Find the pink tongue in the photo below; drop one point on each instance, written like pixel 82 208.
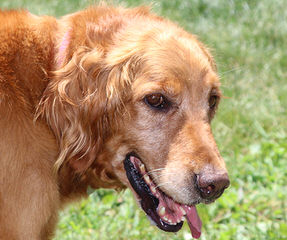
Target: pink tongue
pixel 193 221
pixel 173 212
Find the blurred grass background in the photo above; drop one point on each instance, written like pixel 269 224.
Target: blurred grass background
pixel 249 41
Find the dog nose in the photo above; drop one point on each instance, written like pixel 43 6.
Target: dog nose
pixel 211 186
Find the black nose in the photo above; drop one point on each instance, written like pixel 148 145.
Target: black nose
pixel 212 185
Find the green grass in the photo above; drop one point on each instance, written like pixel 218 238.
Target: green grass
pixel 249 40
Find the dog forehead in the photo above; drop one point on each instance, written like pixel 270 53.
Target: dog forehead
pixel 175 69
pixel 179 56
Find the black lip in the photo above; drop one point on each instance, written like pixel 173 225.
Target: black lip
pixel 148 201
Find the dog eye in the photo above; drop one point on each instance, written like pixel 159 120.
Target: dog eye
pixel 213 101
pixel 156 100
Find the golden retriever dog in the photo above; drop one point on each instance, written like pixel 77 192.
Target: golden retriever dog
pixel 107 97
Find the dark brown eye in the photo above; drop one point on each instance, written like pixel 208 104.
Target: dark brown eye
pixel 213 101
pixel 156 100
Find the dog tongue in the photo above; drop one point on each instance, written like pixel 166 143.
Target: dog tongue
pixel 193 221
pixel 174 213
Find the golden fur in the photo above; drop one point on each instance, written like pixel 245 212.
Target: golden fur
pixel 70 114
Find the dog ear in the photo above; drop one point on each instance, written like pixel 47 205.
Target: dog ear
pixel 74 105
pixel 80 103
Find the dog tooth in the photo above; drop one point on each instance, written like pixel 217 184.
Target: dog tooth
pixel 153 190
pixel 142 168
pixel 182 210
pixel 147 179
pixel 161 211
pixel 165 219
pixel 182 218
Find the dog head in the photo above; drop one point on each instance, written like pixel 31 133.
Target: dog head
pixel 166 129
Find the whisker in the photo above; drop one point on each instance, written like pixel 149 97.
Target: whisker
pixel 152 171
pixel 157 176
pixel 155 170
pixel 163 174
pixel 162 184
pixel 232 70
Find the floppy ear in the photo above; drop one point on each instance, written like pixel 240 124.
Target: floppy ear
pixel 81 102
pixel 74 105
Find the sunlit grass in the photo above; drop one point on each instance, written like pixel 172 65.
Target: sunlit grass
pixel 248 40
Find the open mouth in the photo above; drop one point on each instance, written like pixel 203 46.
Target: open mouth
pixel 167 214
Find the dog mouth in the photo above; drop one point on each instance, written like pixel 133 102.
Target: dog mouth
pixel 161 209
